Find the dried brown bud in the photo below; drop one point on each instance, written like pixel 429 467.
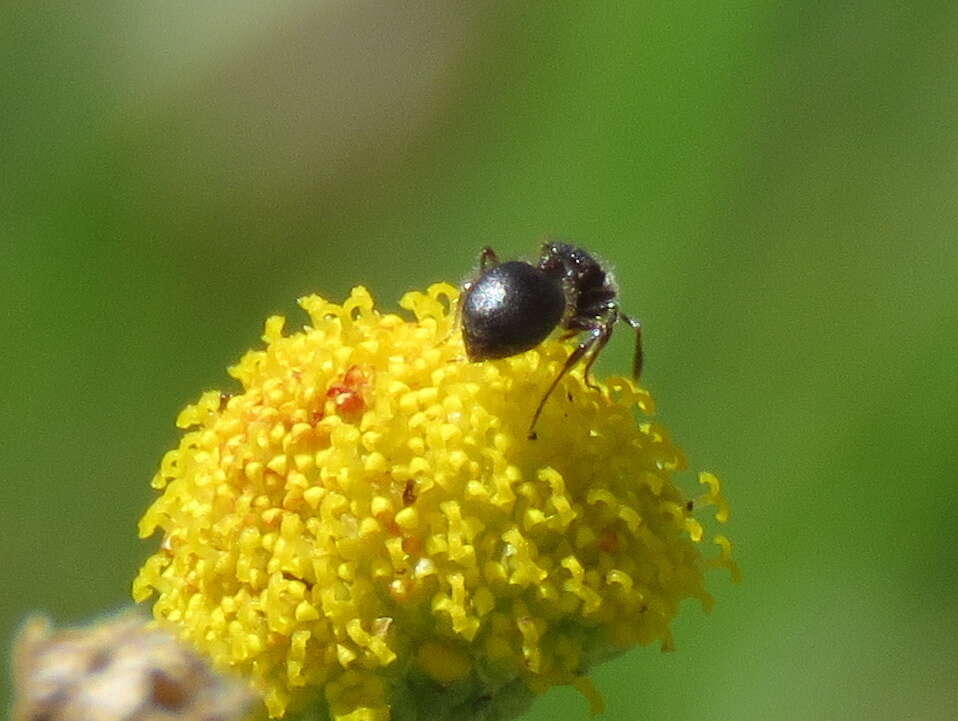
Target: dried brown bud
pixel 118 670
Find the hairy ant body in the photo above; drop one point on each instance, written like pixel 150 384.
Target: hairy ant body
pixel 513 306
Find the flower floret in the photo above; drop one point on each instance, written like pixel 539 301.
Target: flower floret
pixel 365 525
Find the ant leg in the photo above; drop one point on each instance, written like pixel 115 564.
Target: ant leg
pixel 456 315
pixel 606 333
pixel 487 259
pixel 594 337
pixel 637 358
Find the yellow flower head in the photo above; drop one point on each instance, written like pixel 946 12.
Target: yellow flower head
pixel 367 530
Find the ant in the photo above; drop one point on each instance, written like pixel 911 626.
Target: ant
pixel 511 307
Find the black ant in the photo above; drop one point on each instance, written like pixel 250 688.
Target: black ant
pixel 511 307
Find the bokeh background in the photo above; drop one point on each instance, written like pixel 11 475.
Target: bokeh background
pixel 775 184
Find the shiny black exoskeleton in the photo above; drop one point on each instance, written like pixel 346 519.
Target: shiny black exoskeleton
pixel 513 306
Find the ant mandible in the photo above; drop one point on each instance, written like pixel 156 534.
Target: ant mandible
pixel 511 307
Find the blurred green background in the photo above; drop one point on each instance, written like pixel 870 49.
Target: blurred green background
pixel 775 184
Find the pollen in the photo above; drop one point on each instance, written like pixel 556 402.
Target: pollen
pixel 364 526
